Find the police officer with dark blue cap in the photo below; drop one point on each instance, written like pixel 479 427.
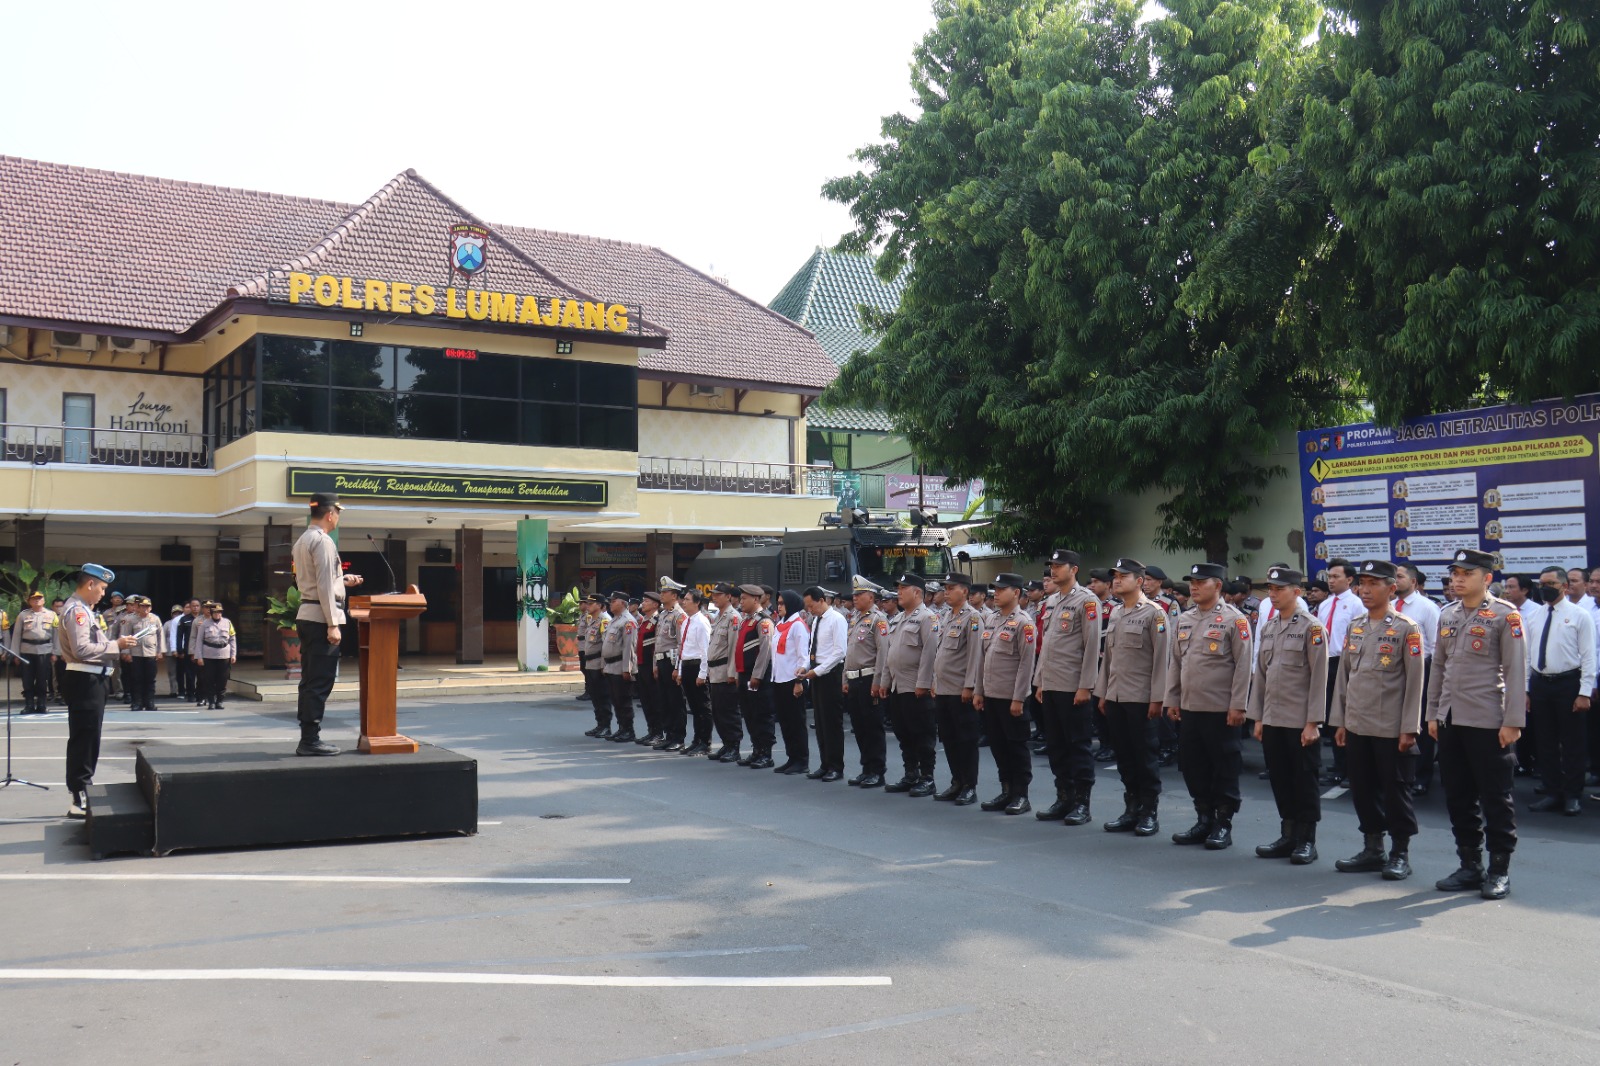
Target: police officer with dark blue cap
pixel 89 653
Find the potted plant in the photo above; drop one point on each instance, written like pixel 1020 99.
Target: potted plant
pixel 281 613
pixel 565 617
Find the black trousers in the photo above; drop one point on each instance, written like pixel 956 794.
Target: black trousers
pixel 912 719
pixel 1101 729
pixel 1209 759
pixel 214 679
pixel 139 674
pixel 1008 743
pixel 1476 773
pixel 619 691
pixel 725 713
pixel 1563 734
pixel 35 686
pixel 1135 738
pixel 958 732
pixel 1292 772
pixel 61 679
pixel 866 721
pixel 696 699
pixel 1068 741
pixel 756 709
pixel 791 714
pixel 1339 754
pixel 1426 747
pixel 1380 785
pixel 189 670
pixel 594 682
pixel 648 689
pixel 86 713
pixel 319 668
pixel 674 712
pixel 827 706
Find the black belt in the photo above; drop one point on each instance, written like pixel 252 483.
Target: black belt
pixel 224 644
pixel 613 658
pixel 1565 675
pixel 25 640
pixel 718 662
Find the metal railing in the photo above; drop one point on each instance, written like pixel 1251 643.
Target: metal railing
pixel 730 475
pixel 102 447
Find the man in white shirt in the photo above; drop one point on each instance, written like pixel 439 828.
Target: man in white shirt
pixel 826 674
pixel 1578 589
pixel 1410 601
pixel 172 644
pixel 1335 613
pixel 1561 677
pixel 691 667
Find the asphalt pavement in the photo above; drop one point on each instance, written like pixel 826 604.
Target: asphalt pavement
pixel 625 906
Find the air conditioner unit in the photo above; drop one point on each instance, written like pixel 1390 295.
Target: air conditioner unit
pixel 704 390
pixel 82 342
pixel 129 344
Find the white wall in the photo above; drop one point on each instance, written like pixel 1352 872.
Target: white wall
pixel 33 396
pixel 691 435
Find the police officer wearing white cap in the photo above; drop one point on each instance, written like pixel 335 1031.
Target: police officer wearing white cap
pixel 89 655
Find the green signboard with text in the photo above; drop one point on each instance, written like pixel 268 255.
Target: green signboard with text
pixel 439 488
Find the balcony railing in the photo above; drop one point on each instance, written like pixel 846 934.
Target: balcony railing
pixel 728 475
pixel 102 447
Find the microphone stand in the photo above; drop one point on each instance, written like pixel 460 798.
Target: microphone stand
pixel 394 584
pixel 11 778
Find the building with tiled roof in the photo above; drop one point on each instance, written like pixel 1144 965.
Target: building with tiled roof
pixel 182 364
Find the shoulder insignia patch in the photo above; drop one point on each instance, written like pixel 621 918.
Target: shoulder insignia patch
pixel 766 625
pixel 1091 610
pixel 976 625
pixel 1514 623
pixel 1316 636
pixel 1161 627
pixel 883 628
pixel 1027 632
pixel 1414 644
pixel 1244 629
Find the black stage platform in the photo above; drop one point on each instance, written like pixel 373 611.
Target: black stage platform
pixel 234 795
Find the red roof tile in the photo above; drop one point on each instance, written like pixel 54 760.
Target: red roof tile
pixel 97 247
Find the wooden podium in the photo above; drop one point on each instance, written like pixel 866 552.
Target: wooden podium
pixel 379 619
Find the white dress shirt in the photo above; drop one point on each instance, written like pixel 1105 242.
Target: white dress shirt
pixel 1335 614
pixel 1572 642
pixel 172 631
pixel 1425 613
pixel 832 630
pixel 696 637
pixel 796 653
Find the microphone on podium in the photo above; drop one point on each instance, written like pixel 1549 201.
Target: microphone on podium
pixel 394 584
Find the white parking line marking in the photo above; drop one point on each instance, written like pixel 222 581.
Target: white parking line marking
pixel 344 879
pixel 423 977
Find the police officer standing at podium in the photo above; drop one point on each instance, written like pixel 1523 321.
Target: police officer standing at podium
pixel 89 653
pixel 322 583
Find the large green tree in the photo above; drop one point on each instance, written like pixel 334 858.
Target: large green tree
pixel 1068 173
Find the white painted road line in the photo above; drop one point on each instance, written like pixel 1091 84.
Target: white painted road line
pixel 324 879
pixel 423 977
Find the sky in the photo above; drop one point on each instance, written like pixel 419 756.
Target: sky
pixel 705 128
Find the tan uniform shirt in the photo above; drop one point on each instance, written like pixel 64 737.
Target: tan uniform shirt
pixel 861 645
pixel 669 636
pixel 594 639
pixel 84 640
pixel 757 645
pixel 214 638
pixel 1480 667
pixel 1004 671
pixel 1134 666
pixel 959 646
pixel 905 660
pixel 320 578
pixel 719 650
pixel 619 649
pixel 34 632
pixel 582 635
pixel 1378 692
pixel 1291 680
pixel 151 644
pixel 1069 642
pixel 1210 664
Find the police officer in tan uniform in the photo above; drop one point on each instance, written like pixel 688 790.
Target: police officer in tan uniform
pixel 323 586
pixel 868 629
pixel 720 676
pixel 32 637
pixel 1068 662
pixel 674 711
pixel 1002 680
pixel 1208 685
pixel 619 662
pixel 216 649
pixel 1376 715
pixel 960 643
pixel 89 653
pixel 1287 702
pixel 139 662
pixel 905 676
pixel 591 634
pixel 1477 702
pixel 1131 686
pixel 752 658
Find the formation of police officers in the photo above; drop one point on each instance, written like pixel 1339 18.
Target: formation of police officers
pixel 1115 660
pixel 197 643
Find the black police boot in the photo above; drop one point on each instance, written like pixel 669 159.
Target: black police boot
pixel 1196 833
pixel 949 794
pixel 1078 813
pixel 1124 822
pixel 1305 844
pixel 311 742
pixel 907 782
pixel 1280 848
pixel 922 789
pixel 1019 805
pixel 761 760
pixel 1468 877
pixel 1497 882
pixel 624 737
pixel 729 755
pixel 595 732
pixel 1000 802
pixel 967 798
pixel 1147 825
pixel 1369 860
pixel 1221 835
pixel 1057 810
pixel 1398 865
pixel 871 781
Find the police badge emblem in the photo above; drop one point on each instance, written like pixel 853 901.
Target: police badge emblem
pixel 469 249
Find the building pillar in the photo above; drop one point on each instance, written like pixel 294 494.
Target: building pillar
pixel 30 542
pixel 469 571
pixel 658 558
pixel 225 575
pixel 277 559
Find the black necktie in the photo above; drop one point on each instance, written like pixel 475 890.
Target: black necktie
pixel 1544 638
pixel 816 627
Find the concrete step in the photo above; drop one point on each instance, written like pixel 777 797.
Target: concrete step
pixel 432 685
